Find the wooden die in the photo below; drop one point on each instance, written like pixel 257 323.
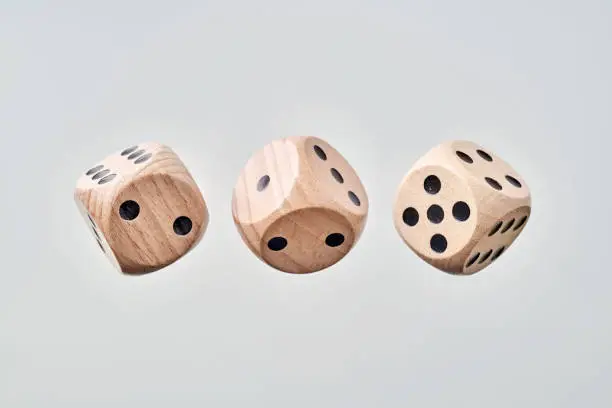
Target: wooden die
pixel 460 207
pixel 143 207
pixel 298 205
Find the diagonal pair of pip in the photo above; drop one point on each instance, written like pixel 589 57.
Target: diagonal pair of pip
pixel 300 206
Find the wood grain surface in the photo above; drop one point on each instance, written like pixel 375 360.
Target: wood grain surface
pixel 299 205
pixel 460 207
pixel 143 207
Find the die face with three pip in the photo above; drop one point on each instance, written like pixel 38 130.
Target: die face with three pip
pixel 143 207
pixel 299 205
pixel 460 207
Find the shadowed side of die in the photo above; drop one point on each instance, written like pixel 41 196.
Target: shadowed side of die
pixel 155 220
pixel 307 240
pixel 80 198
pixel 496 240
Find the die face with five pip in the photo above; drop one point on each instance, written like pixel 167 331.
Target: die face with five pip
pixel 460 207
pixel 298 205
pixel 143 207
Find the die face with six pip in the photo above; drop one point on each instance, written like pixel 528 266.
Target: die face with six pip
pixel 460 207
pixel 143 207
pixel 299 205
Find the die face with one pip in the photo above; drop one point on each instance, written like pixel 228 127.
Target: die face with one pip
pixel 460 207
pixel 143 207
pixel 298 205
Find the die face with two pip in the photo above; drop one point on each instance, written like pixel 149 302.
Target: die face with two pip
pixel 299 205
pixel 143 207
pixel 460 207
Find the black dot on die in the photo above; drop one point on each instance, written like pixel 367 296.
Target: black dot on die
pixel 461 211
pixel 497 253
pixel 107 179
pixel 473 259
pixel 319 152
pixel 432 184
pixel 438 243
pixel 94 170
pixel 334 240
pixel 410 216
pixel 263 183
pixel 277 243
pixel 336 174
pixel 100 174
pixel 353 197
pixel 485 256
pixel 129 150
pixel 143 158
pixel 496 228
pixel 513 181
pixel 493 183
pixel 484 155
pixel 135 154
pixel 435 214
pixel 182 225
pixel 520 223
pixel 129 210
pixel 508 226
pixel 464 157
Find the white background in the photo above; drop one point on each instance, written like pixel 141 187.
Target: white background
pixel 382 82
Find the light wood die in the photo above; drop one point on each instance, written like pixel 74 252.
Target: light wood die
pixel 299 205
pixel 143 207
pixel 460 207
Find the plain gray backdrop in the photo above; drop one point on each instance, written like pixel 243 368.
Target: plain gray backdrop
pixel 382 82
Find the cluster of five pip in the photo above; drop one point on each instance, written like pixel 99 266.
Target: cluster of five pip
pixel 300 206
